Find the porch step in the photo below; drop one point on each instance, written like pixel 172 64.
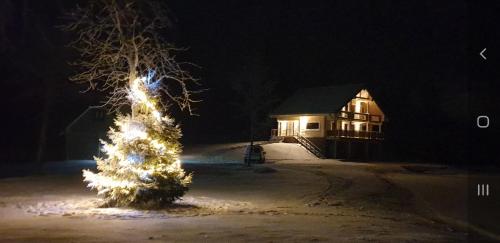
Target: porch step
pixel 310 146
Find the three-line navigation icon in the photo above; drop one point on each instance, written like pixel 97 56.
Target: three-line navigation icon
pixel 483 190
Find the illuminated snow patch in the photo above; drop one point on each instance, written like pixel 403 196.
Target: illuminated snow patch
pixel 82 208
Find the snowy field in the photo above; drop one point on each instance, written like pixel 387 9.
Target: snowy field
pixel 301 199
pixel 232 153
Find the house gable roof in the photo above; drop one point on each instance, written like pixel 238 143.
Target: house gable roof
pixel 87 122
pixel 320 100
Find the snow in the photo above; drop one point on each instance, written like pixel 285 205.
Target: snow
pixel 229 153
pixel 306 199
pixel 91 207
pixel 287 151
pixel 232 153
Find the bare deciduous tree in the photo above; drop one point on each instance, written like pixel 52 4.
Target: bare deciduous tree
pixel 121 40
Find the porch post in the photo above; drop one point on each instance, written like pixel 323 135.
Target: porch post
pixel 278 133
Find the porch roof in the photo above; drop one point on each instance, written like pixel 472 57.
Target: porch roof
pixel 319 100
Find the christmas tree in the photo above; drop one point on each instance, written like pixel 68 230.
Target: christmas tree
pixel 141 166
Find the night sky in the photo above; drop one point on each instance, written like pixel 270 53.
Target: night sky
pixel 411 54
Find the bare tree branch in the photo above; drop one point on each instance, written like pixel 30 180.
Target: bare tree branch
pixel 121 40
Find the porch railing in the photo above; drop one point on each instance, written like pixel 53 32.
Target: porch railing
pixel 359 116
pixel 306 143
pixel 284 133
pixel 338 133
pixel 355 134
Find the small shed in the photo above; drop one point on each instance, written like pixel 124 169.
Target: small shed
pixel 83 133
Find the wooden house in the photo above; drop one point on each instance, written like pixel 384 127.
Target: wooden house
pixel 336 121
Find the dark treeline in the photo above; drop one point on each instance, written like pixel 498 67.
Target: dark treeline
pixel 37 97
pixel 412 55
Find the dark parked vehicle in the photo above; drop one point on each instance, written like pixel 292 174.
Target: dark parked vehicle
pixel 255 155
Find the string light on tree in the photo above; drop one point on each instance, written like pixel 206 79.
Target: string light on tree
pixel 123 53
pixel 141 166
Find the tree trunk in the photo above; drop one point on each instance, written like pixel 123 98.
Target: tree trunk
pixel 42 137
pixel 132 77
pixel 251 137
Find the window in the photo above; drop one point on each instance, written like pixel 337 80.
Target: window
pixel 312 126
pixel 363 107
pixel 375 128
pixel 363 127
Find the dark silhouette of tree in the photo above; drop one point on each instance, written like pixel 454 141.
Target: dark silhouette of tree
pixel 29 42
pixel 254 96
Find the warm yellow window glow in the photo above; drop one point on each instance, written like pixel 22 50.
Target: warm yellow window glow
pixel 303 122
pixel 357 108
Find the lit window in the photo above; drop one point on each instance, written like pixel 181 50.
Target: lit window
pixel 312 126
pixel 364 107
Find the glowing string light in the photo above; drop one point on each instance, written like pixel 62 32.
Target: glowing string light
pixel 139 153
pixel 134 130
pixel 138 94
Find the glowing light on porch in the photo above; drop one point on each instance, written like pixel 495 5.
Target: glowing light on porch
pixel 356 126
pixel 303 121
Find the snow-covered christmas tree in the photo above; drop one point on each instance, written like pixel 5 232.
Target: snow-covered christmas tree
pixel 141 166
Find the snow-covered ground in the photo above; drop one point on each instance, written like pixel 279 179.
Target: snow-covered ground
pixel 302 199
pixel 233 153
pixel 287 151
pixel 229 153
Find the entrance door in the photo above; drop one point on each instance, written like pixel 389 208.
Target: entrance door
pixel 282 128
pixel 289 128
pixel 292 128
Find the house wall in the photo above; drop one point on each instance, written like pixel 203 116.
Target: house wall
pixel 302 125
pixel 357 118
pixel 330 123
pixel 363 103
pixel 374 109
pixel 312 133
